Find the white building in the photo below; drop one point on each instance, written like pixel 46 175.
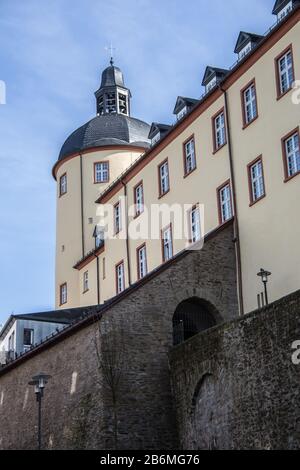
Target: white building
pixel 22 332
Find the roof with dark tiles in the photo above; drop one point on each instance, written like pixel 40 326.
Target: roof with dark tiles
pixel 112 129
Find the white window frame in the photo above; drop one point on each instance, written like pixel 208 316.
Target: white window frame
pixel 285 11
pixel 211 84
pixel 189 156
pixel 139 199
pixel 164 178
pixel 292 154
pixel 85 281
pixel 63 185
pixel 257 180
pixel 101 172
pixel 167 243
pixel 195 225
pixel 63 294
pixel 31 336
pixel 285 72
pixel 181 114
pixel 155 138
pixel 117 218
pixel 250 103
pixel 220 130
pixel 142 262
pixel 120 277
pixel 225 203
pixel 245 50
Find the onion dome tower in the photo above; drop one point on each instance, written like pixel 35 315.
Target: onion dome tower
pixel 113 124
pixel 90 159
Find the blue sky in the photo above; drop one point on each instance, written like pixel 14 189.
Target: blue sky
pixel 51 57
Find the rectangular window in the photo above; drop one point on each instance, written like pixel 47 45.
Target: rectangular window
pixel 195 225
pixel 117 217
pixel 284 72
pixel 285 11
pixel 28 337
pixel 63 294
pixel 219 130
pixel 142 261
pixel 167 243
pixel 11 342
pixel 249 103
pixel 139 199
pixel 164 181
pixel 224 200
pixel 256 180
pixel 101 172
pixel 63 185
pixel 189 156
pixel 181 113
pixel 291 154
pixel 120 279
pixel 85 281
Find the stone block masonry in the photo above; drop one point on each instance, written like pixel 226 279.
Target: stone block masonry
pixel 79 409
pixel 236 387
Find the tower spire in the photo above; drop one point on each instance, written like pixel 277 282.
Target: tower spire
pixel 113 97
pixel 111 50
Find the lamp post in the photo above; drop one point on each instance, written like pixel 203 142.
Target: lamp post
pixel 39 382
pixel 264 275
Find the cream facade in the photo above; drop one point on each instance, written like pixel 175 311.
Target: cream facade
pixel 267 230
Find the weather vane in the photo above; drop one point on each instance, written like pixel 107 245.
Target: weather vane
pixel 111 50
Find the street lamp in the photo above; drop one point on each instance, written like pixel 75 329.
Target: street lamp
pixel 39 382
pixel 264 275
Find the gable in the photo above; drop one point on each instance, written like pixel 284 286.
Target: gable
pixel 244 38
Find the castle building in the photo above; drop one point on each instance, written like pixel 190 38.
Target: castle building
pixel 234 152
pixel 164 234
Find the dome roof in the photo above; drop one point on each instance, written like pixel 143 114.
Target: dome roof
pixel 112 76
pixel 114 129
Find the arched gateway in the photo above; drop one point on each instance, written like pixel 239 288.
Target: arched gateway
pixel 191 317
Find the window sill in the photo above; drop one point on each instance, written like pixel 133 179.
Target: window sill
pixel 62 194
pixel 221 223
pixel 137 215
pixel 279 96
pixel 190 172
pixel 164 194
pixel 85 291
pixel 289 178
pixel 101 182
pixel 249 123
pixel 257 200
pixel 216 150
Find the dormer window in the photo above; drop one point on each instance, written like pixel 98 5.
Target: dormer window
pixel 246 43
pixel 181 113
pixel 155 139
pixel 212 77
pixel 211 84
pixel 283 8
pixel 245 50
pixel 157 132
pixel 183 106
pixel 285 11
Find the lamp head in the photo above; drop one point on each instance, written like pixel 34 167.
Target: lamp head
pixel 264 275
